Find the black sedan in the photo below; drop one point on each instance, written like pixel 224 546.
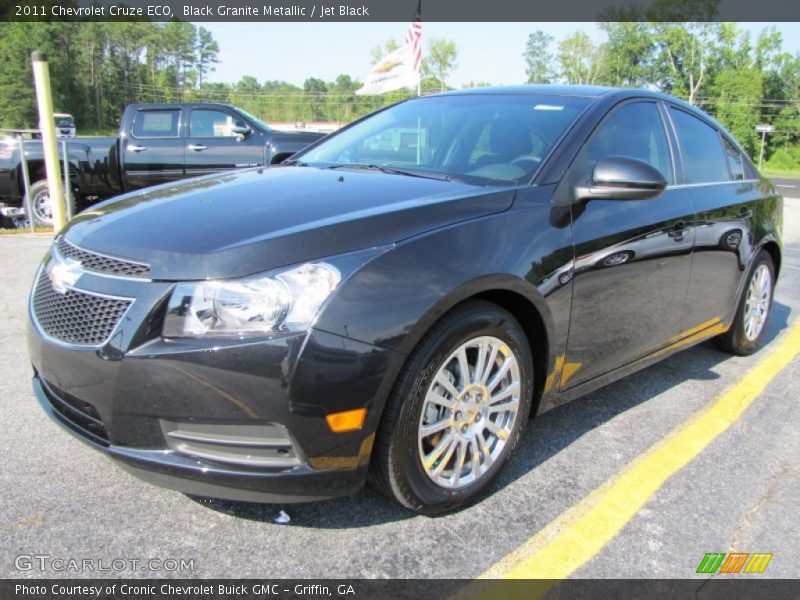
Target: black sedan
pixel 398 299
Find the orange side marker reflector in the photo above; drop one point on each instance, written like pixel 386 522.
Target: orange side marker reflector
pixel 348 420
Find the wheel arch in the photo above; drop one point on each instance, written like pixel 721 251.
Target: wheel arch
pixel 774 250
pixel 520 299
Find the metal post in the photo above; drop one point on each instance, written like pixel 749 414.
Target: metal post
pixel 47 125
pixel 26 180
pixel 761 154
pixel 67 182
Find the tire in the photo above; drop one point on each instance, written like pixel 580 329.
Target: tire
pixel 618 258
pixel 397 463
pixel 41 207
pixel 746 336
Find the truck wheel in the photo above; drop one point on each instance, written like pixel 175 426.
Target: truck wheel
pixel 41 206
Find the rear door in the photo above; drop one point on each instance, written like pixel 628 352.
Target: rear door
pixel 724 192
pixel 212 146
pixel 632 257
pixel 154 150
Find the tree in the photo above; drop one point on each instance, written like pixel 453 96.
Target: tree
pixel 580 59
pixel 539 62
pixel 629 54
pixel 378 52
pixel 207 54
pixel 441 59
pixel 684 56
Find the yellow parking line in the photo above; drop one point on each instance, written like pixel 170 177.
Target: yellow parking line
pixel 576 536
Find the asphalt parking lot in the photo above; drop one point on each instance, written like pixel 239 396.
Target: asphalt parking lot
pixel 62 499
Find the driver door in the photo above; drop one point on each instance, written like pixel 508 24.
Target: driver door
pixel 632 257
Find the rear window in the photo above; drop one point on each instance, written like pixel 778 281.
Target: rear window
pixel 703 159
pixel 156 123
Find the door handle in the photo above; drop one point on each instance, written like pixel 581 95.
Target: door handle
pixel 196 147
pixel 678 230
pixel 135 148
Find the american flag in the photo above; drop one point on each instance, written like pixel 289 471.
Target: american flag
pixel 414 37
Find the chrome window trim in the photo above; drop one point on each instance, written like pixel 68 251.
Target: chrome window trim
pixel 712 183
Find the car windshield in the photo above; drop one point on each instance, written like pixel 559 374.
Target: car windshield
pixel 255 120
pixel 478 138
pixel 64 121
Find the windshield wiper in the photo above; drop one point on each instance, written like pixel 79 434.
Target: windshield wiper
pixel 293 162
pixel 394 171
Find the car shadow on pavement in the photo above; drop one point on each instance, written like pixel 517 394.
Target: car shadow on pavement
pixel 548 435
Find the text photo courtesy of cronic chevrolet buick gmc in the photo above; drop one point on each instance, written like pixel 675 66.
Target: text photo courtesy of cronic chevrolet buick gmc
pixel 395 302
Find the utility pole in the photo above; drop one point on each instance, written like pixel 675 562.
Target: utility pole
pixel 47 126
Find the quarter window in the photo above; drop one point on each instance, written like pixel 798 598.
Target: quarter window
pixel 156 123
pixel 734 159
pixel 636 131
pixel 703 158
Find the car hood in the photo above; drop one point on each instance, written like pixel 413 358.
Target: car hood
pixel 244 222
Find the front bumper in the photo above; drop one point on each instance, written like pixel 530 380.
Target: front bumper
pixel 120 397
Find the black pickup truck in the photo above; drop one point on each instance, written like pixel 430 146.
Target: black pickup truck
pixel 157 143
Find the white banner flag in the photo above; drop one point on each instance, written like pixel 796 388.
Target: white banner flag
pixel 393 72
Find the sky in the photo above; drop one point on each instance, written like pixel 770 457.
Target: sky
pixel 293 52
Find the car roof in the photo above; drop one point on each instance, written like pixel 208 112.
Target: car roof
pixel 583 91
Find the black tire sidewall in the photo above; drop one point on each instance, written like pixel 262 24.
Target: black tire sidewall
pixel 497 323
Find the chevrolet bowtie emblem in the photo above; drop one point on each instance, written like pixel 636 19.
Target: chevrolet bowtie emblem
pixel 64 275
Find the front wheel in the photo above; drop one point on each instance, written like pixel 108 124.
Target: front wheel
pixel 749 327
pixel 457 411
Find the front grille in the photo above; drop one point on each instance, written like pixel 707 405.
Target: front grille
pixel 76 317
pixel 79 414
pixel 102 264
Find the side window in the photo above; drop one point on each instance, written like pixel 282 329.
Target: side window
pixel 734 159
pixel 703 158
pixel 156 123
pixel 636 131
pixel 211 123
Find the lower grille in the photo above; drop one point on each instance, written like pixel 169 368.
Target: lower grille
pixel 81 415
pixel 245 444
pixel 76 317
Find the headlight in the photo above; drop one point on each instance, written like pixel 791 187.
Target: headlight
pixel 282 301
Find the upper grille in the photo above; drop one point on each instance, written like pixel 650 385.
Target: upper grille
pixel 102 264
pixel 76 317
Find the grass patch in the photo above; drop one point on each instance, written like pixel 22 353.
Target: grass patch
pixel 787 173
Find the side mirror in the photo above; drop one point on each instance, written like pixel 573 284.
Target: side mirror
pixel 241 130
pixel 622 178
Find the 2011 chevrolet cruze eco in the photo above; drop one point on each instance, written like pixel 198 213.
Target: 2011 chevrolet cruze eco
pixel 401 296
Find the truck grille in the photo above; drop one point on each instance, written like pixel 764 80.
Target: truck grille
pixel 99 263
pixel 76 317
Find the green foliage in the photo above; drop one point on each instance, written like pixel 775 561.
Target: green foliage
pixel 539 60
pixel 441 60
pixel 784 160
pixel 580 59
